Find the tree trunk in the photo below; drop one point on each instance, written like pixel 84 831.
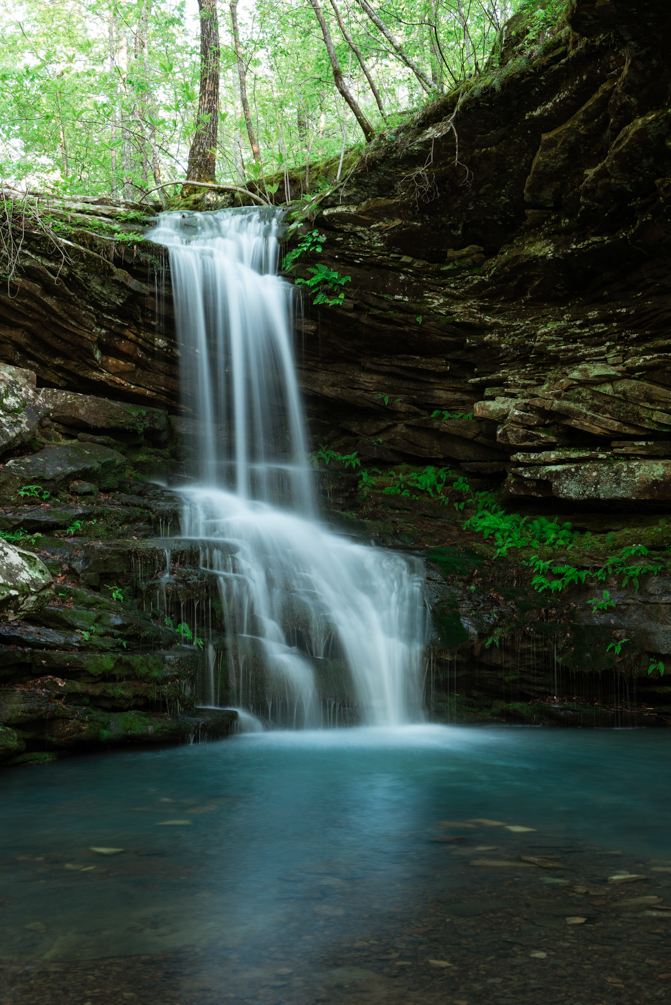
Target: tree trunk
pixel 362 63
pixel 426 83
pixel 366 127
pixel 242 73
pixel 114 97
pixel 139 92
pixel 436 60
pixel 203 152
pixel 127 188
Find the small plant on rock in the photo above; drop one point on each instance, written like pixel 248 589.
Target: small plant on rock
pixel 311 242
pixel 19 536
pixel 325 282
pixel 326 455
pixel 617 646
pixel 601 605
pixel 33 492
pixel 441 414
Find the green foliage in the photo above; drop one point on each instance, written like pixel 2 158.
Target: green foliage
pixel 656 665
pixel 102 99
pixel 510 530
pixel 33 492
pixel 169 623
pixel 441 414
pixel 186 633
pixel 431 480
pixel 74 527
pixel 19 536
pixel 617 646
pixel 367 478
pixel 601 605
pixel 567 575
pixel 311 242
pixel 325 282
pixel 617 566
pixel 326 455
pixel 540 17
pixel 117 593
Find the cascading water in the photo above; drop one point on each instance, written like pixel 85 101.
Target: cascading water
pixel 316 625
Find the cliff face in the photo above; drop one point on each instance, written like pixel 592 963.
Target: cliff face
pixel 505 321
pixel 526 267
pixel 89 317
pixel 510 245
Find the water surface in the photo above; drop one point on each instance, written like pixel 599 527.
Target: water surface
pixel 235 842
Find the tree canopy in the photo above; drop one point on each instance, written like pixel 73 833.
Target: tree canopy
pixel 105 96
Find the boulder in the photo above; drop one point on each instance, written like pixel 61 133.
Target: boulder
pixel 496 410
pixel 84 411
pixel 59 464
pixel 25 582
pixel 649 479
pixel 20 406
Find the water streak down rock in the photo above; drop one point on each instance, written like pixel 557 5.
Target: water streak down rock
pixel 297 598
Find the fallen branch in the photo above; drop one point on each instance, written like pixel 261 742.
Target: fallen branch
pixel 204 184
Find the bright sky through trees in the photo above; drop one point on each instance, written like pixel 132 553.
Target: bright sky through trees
pixel 101 97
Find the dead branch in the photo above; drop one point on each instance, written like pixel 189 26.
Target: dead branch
pixel 204 184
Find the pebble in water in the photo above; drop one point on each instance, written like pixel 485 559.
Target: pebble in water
pixel 625 877
pixel 106 851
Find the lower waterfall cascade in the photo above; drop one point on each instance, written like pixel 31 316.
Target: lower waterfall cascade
pixel 321 631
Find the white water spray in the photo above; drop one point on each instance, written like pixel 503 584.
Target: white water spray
pixel 315 623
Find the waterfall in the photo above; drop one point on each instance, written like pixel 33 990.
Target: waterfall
pixel 320 630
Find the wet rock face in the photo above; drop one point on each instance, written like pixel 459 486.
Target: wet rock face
pixel 99 643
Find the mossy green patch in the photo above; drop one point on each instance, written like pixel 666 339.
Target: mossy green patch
pixel 454 561
pixel 135 723
pixel 450 629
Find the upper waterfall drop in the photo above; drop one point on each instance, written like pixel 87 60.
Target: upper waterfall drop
pixel 233 316
pixel 318 628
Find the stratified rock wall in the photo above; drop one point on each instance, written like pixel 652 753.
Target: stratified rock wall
pixel 506 317
pixel 510 246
